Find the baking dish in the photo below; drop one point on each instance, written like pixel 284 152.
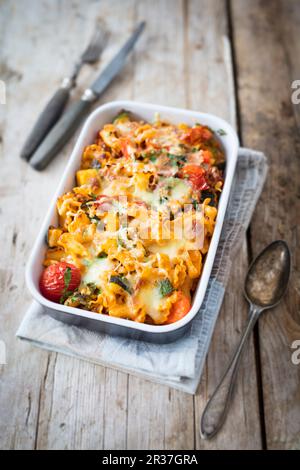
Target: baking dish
pixel 109 324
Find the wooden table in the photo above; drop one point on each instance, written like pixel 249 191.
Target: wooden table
pixel 233 58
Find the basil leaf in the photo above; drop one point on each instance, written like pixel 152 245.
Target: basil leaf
pixel 94 288
pixel 67 277
pixel 64 296
pixel 165 287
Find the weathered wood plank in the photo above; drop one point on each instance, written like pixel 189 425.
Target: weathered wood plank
pixel 264 53
pixel 200 48
pixel 158 417
pixel 21 377
pixel 52 401
pixel 290 13
pixel 155 413
pixel 72 406
pixel 210 88
pixel 99 419
pixel 27 390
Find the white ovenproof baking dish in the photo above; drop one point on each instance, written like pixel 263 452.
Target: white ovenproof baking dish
pixel 105 323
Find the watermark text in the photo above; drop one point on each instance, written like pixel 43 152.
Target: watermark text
pixel 296 354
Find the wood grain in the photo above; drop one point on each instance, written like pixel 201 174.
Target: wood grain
pixel 100 418
pixel 210 88
pixel 269 123
pixel 155 413
pixel 183 59
pixel 30 399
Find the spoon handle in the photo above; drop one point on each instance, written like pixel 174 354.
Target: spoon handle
pixel 217 407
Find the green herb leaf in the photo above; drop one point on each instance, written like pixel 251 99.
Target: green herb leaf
pixel 93 218
pixel 176 160
pixel 121 242
pixel 153 156
pixel 172 156
pixel 195 204
pixel 165 287
pixel 75 297
pixel 163 199
pixel 221 132
pixel 67 277
pixel 64 296
pixel 94 288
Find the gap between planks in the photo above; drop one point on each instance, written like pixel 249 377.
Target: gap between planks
pixel 248 233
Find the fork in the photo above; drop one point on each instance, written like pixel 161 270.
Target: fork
pixel 55 106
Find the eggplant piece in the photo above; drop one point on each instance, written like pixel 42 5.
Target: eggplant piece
pixel 122 282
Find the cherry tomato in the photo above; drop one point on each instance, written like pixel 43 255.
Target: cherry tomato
pixel 196 134
pixel 196 176
pixel 59 279
pixel 179 309
pixel 206 156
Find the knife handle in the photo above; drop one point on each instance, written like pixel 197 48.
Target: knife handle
pixel 59 134
pixel 48 117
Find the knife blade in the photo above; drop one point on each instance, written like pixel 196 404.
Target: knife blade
pixel 68 123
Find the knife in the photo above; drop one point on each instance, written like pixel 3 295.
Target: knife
pixel 68 123
pixel 54 108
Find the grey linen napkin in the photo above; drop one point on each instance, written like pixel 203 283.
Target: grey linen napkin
pixel 178 364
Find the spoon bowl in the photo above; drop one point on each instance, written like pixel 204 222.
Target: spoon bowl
pixel 268 276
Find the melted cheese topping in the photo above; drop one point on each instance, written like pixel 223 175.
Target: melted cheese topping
pixel 147 196
pixel 170 248
pixel 180 190
pixel 95 273
pixel 142 265
pixel 150 297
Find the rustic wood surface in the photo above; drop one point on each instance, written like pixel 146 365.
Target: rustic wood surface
pixel 233 58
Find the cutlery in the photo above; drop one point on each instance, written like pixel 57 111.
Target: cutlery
pixel 55 106
pixel 70 120
pixel 265 284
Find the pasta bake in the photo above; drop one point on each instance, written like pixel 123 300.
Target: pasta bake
pixel 134 230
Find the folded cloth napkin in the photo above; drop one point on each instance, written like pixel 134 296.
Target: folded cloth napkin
pixel 178 364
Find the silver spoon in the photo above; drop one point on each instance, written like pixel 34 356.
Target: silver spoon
pixel 265 284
